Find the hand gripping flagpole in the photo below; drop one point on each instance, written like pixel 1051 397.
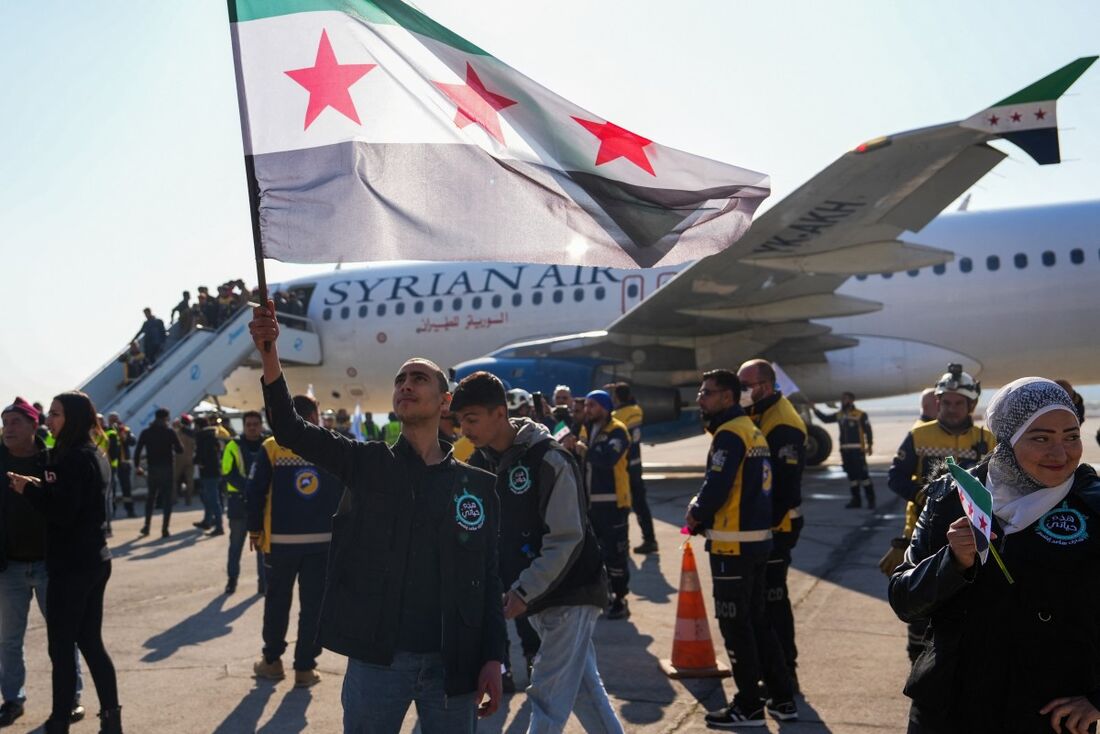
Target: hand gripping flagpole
pixel 249 164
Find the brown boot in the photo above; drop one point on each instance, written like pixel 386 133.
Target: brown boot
pixel 306 678
pixel 270 670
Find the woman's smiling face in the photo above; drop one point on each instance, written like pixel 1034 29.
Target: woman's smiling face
pixel 1050 449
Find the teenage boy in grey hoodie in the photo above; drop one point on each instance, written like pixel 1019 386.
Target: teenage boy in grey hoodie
pixel 550 560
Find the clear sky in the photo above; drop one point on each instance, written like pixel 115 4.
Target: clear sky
pixel 121 178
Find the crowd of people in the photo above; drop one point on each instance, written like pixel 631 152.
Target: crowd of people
pixel 208 311
pixel 414 542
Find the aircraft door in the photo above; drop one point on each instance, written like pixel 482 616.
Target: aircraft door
pixel 633 291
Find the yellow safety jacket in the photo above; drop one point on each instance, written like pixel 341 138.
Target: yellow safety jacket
pixel 632 417
pixel 606 464
pixel 788 457
pixel 742 524
pixel 109 434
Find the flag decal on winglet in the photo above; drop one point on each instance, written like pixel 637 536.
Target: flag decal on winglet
pixel 1029 118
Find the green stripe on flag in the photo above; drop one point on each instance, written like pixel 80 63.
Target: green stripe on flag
pixel 390 12
pixel 1052 86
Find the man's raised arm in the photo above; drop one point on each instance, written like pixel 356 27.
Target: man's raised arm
pixel 327 449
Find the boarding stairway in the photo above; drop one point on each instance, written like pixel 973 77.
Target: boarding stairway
pixel 194 366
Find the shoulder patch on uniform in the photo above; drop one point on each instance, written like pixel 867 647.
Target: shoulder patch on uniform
pixel 718 459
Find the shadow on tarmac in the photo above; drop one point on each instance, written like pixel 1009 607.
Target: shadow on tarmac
pixel 647 582
pixel 163 546
pixel 288 718
pixel 210 622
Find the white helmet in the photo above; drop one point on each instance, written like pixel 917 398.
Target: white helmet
pixel 518 397
pixel 957 381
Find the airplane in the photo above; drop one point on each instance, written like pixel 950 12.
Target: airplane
pixel 855 281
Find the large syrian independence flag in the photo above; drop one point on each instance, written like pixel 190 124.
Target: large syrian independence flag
pixel 374 133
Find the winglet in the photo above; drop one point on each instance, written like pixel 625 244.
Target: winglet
pixel 1028 118
pixel 1050 87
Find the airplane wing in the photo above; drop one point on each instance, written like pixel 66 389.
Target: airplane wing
pixel 760 296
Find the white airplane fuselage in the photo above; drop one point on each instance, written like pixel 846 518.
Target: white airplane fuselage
pixel 1021 297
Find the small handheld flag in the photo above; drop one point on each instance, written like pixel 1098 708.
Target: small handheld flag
pixel 977 503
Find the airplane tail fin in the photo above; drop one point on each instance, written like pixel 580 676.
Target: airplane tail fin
pixel 1028 118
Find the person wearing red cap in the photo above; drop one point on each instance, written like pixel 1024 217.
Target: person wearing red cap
pixel 22 557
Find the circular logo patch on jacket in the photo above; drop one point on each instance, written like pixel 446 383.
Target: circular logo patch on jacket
pixel 1063 526
pixel 307 482
pixel 519 479
pixel 469 511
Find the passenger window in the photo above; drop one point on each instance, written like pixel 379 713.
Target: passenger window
pixel 558 296
pixel 345 312
pixel 437 305
pixel 887 276
pixel 939 269
pixel 578 295
pixel 1048 258
pixel 631 292
pixel 399 308
pixel 536 298
pixel 418 307
pixel 363 311
pixel 1020 260
pixel 497 301
pixel 912 273
pixel 326 314
pixel 476 303
pixel 861 276
pixel 381 310
pixel 517 299
pixel 966 265
pixel 601 293
pixel 456 304
pixel 1076 256
pixel 993 263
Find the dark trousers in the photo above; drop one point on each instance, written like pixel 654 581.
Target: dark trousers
pixel 160 486
pixel 529 641
pixel 854 462
pixel 777 600
pixel 640 505
pixel 753 650
pixel 612 531
pixel 74 616
pixel 282 567
pixel 238 533
pixel 124 483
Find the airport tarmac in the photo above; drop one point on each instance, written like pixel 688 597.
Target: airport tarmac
pixel 184 650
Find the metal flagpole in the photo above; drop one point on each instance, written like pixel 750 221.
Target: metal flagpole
pixel 249 163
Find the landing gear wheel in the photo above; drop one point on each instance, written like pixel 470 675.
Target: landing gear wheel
pixel 819 444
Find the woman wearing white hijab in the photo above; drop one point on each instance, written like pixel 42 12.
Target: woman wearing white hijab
pixel 1025 656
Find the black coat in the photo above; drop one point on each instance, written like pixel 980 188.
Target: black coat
pixel 1000 652
pixel 371 536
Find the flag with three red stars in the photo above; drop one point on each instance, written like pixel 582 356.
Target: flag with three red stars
pixel 371 132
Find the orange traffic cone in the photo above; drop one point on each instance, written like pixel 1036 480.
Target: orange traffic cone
pixel 692 649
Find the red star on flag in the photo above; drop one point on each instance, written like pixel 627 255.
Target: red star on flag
pixel 993 120
pixel 1015 116
pixel 1040 114
pixel 328 82
pixel 615 142
pixel 982 524
pixel 476 104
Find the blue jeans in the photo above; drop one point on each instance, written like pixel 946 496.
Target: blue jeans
pixel 18 583
pixel 211 501
pixel 565 678
pixel 376 697
pixel 238 533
